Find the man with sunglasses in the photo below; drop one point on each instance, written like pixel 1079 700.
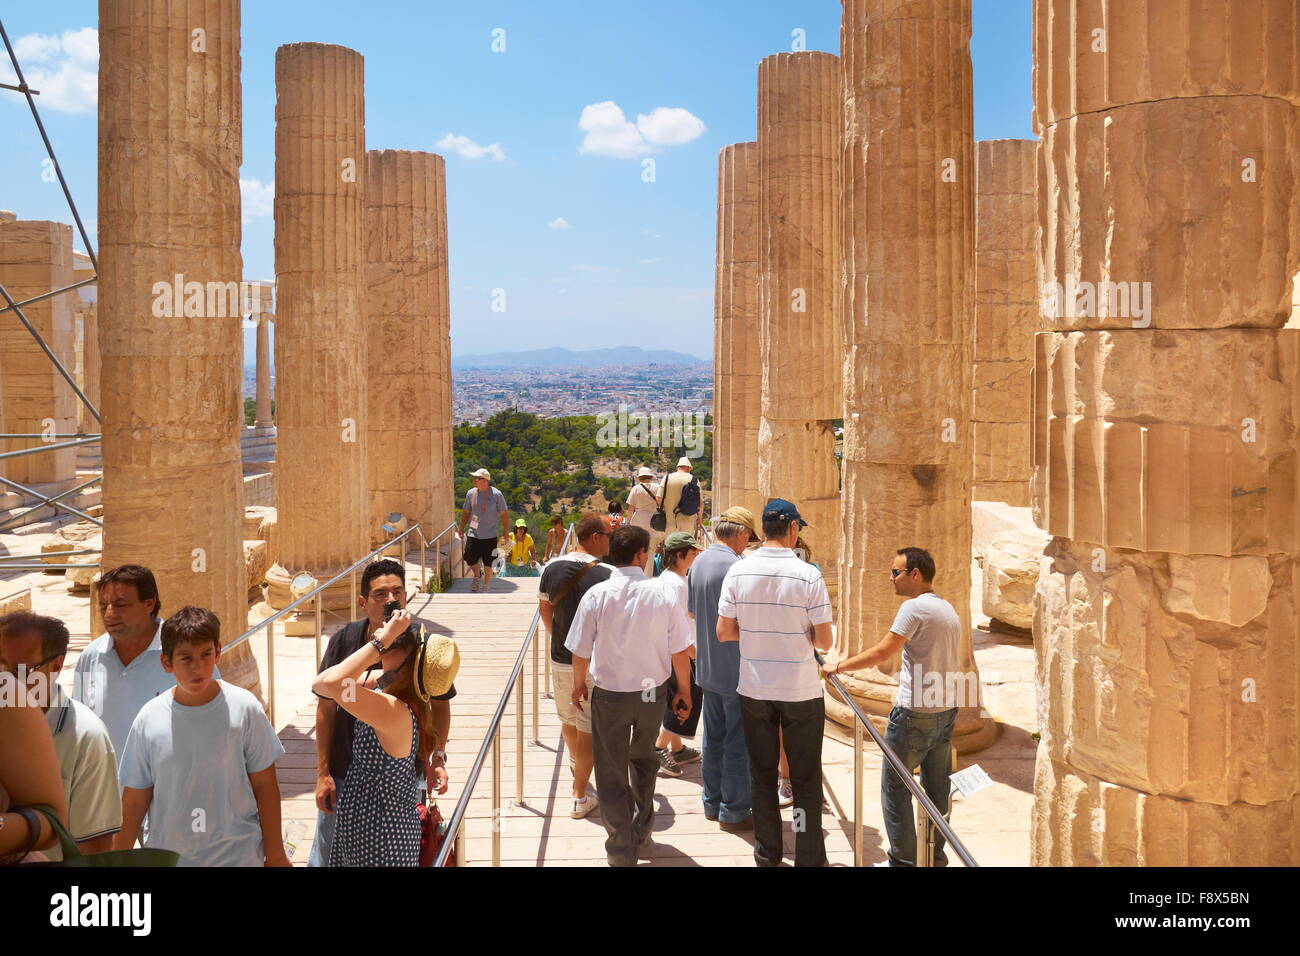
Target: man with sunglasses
pixel 927 629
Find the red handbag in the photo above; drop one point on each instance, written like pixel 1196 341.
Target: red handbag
pixel 433 830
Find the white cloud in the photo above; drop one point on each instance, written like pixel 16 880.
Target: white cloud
pixel 669 126
pixel 258 198
pixel 611 133
pixel 65 68
pixel 466 148
pixel 586 267
pixel 560 223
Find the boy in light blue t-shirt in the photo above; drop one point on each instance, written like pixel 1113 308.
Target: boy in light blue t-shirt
pixel 200 760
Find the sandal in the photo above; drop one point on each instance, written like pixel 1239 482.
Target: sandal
pixel 473 588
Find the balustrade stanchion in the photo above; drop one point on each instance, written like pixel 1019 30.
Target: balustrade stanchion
pixel 496 798
pixel 424 577
pixel 320 628
pixel 353 577
pixel 922 840
pixel 537 667
pixel 270 672
pixel 461 858
pixel 519 739
pixel 857 793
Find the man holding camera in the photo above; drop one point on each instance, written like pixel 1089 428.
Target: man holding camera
pixel 382 593
pixel 631 632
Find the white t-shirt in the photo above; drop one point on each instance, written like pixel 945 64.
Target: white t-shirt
pixel 629 627
pixel 675 585
pixel 931 679
pixel 197 760
pixel 776 598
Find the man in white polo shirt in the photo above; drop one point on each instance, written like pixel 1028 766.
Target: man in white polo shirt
pixel 777 606
pixel 630 631
pixel 121 671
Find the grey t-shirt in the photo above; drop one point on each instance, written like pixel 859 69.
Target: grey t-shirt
pixel 197 760
pixel 717 665
pixel 485 512
pixel 931 679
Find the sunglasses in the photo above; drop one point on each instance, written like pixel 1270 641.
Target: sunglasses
pixel 895 572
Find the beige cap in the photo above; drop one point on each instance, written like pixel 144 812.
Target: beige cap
pixel 741 516
pixel 481 473
pixel 684 462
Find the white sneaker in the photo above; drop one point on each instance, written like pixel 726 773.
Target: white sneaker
pixel 583 807
pixel 784 792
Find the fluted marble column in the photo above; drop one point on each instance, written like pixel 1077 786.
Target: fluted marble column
pixel 737 371
pixel 801 338
pixel 1006 318
pixel 909 269
pixel 321 486
pixel 407 311
pixel 170 148
pixel 1165 433
pixel 263 417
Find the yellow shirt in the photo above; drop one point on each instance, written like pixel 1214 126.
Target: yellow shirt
pixel 519 550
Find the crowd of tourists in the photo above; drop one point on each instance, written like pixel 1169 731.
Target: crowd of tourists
pixel 723 639
pixel 657 635
pixel 153 749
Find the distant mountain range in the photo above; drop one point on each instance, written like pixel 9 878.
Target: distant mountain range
pixel 567 358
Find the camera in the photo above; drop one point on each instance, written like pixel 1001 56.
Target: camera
pixel 391 608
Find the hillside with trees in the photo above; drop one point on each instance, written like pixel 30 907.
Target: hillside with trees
pixel 549 466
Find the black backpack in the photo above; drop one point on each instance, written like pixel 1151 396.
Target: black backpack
pixel 690 500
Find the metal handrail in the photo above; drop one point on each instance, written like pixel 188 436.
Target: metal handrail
pixel 932 816
pixel 492 742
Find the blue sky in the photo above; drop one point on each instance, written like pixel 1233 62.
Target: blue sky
pixel 590 256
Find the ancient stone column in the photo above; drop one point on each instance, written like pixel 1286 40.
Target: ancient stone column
pixel 408 325
pixel 1165 434
pixel 737 373
pixel 909 269
pixel 321 486
pixel 86 308
pixel 170 147
pixel 1006 318
pixel 801 339
pixel 263 417
pixel 36 258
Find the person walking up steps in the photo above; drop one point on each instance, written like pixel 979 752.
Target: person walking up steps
pixel 643 501
pixel 631 633
pixel 681 493
pixel 680 551
pixel 778 608
pixel 485 519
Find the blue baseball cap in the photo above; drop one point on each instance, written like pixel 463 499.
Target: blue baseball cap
pixel 780 508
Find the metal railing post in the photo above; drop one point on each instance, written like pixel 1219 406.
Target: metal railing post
pixel 461 858
pixel 424 577
pixel 857 793
pixel 320 628
pixel 537 668
pixel 496 798
pixel 924 845
pixel 519 739
pixel 353 577
pixel 270 672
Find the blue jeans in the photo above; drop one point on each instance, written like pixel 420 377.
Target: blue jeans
pixel 320 846
pixel 925 741
pixel 725 760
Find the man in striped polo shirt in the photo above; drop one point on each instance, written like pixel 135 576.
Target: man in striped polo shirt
pixel 777 607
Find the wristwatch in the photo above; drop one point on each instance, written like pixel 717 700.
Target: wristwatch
pixel 378 645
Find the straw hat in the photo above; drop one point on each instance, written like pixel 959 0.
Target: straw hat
pixel 437 666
